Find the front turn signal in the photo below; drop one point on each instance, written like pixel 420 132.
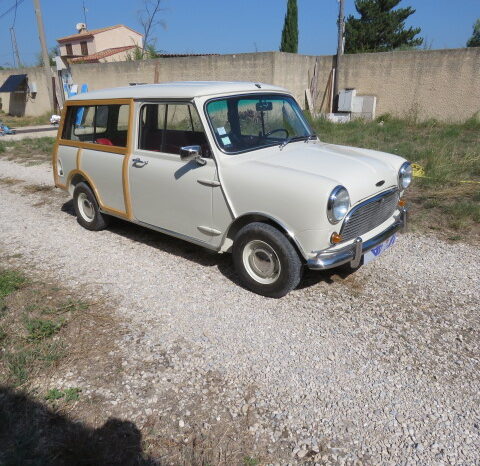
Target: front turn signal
pixel 401 203
pixel 335 238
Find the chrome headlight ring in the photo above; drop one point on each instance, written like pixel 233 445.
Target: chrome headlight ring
pixel 405 175
pixel 338 204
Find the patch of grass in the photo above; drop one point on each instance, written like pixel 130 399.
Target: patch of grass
pixel 10 280
pixel 54 394
pixel 449 153
pixel 72 394
pixel 40 329
pixel 249 461
pixel 69 394
pixel 3 335
pixel 15 121
pixel 31 151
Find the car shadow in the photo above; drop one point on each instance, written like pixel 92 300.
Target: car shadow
pixel 200 255
pixel 33 433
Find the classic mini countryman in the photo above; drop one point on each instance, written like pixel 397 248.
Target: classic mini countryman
pixel 234 167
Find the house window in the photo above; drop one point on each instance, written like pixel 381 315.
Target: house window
pixel 69 49
pixel 84 47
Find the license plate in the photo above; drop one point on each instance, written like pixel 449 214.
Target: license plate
pixel 378 250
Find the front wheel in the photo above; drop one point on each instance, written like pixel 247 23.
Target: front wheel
pixel 266 261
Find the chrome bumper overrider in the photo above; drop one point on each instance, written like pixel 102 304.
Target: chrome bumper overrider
pixel 353 253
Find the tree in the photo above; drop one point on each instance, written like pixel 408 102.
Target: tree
pixel 52 53
pixel 148 18
pixel 290 29
pixel 474 41
pixel 380 28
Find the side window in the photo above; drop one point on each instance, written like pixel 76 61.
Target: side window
pixel 101 124
pixel 183 129
pixel 152 125
pixel 167 128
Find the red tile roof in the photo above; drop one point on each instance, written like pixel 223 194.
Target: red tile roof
pixel 91 33
pixel 94 57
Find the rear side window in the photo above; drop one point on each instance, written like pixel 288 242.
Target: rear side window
pixel 98 124
pixel 168 127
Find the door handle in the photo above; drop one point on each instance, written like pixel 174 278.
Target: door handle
pixel 139 161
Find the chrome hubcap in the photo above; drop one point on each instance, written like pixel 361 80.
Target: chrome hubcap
pixel 261 262
pixel 87 211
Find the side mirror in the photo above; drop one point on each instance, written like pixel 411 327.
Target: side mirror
pixel 188 153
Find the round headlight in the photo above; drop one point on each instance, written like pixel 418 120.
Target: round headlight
pixel 405 175
pixel 338 204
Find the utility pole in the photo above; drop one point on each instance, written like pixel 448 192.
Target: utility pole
pixel 46 60
pixel 340 46
pixel 16 55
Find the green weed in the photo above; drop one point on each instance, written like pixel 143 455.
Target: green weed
pixel 40 329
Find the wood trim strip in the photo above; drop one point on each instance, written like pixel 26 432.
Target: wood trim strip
pixel 97 194
pixel 84 103
pixel 56 178
pixel 79 158
pixel 93 146
pixel 126 160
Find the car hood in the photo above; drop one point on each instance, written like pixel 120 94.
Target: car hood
pixel 363 172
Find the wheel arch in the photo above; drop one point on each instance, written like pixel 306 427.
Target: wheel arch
pixel 252 217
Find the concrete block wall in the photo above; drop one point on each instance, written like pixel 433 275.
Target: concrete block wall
pixel 441 84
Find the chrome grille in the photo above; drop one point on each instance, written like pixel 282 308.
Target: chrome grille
pixel 369 214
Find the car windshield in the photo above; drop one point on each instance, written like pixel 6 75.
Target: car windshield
pixel 243 123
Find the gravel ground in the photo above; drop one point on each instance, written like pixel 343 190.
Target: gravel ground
pixel 381 366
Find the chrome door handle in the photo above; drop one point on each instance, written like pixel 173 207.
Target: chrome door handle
pixel 138 161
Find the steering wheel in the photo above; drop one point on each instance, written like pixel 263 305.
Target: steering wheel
pixel 276 131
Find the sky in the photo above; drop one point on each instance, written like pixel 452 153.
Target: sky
pixel 224 26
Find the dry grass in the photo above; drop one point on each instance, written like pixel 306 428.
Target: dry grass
pixel 17 122
pixel 29 151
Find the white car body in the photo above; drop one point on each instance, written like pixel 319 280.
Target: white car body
pixel 206 203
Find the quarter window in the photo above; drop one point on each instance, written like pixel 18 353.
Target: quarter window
pixel 98 124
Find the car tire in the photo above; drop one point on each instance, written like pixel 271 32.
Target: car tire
pixel 87 209
pixel 265 260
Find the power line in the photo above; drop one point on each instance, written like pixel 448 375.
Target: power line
pixel 13 7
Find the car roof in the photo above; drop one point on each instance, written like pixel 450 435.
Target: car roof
pixel 179 90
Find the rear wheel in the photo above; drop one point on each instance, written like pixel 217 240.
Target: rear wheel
pixel 266 261
pixel 87 209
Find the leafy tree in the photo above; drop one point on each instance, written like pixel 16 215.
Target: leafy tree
pixel 380 28
pixel 290 29
pixel 474 41
pixel 52 53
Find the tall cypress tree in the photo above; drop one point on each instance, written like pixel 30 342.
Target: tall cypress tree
pixel 474 41
pixel 290 29
pixel 380 28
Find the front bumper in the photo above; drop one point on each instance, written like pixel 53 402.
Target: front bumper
pixel 328 259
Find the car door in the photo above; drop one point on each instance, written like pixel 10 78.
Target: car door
pixel 166 192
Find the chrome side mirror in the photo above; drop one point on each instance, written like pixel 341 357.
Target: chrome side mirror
pixel 188 153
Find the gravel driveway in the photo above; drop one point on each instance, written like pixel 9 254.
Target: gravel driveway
pixel 381 366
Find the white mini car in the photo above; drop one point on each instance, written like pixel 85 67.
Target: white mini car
pixel 234 167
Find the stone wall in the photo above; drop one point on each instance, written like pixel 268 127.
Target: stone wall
pixel 441 84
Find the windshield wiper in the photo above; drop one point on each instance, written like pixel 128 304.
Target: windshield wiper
pixel 310 137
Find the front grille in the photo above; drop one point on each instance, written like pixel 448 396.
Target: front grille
pixel 369 214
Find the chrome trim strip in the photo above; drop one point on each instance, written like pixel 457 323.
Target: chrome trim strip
pixel 353 253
